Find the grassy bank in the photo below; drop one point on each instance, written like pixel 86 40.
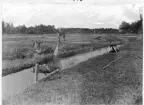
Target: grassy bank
pixel 89 84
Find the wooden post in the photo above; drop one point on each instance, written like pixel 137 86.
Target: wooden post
pixel 36 72
pixel 38 50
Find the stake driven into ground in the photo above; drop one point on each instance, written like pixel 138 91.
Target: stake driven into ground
pixel 89 84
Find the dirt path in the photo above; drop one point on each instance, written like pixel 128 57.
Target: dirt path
pixel 89 84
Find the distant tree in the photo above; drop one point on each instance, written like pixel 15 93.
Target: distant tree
pixel 3 27
pixel 136 27
pixel 23 29
pixel 124 27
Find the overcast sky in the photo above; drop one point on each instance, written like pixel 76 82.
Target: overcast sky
pixel 67 13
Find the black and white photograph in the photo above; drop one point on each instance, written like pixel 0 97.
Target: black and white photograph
pixel 72 52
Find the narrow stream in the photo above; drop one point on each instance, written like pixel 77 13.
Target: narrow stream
pixel 16 82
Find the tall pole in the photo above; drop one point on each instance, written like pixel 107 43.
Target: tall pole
pixel 141 16
pixel 141 13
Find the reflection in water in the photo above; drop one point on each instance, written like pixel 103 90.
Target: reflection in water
pixel 17 82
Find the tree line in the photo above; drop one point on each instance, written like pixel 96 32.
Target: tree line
pixel 124 27
pixel 88 30
pixel 8 28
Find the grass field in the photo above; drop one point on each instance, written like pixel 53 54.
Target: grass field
pixel 18 50
pixel 89 84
